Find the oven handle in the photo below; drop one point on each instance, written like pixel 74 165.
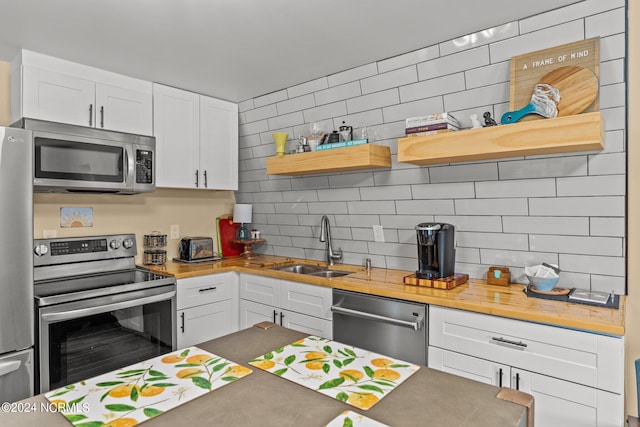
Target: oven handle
pixel 82 312
pixel 416 326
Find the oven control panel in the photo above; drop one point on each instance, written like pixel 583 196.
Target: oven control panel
pixel 75 249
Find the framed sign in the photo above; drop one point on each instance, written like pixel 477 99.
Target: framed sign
pixel 571 70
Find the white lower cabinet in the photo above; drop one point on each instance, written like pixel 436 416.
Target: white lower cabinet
pixel 207 308
pixel 575 377
pixel 299 306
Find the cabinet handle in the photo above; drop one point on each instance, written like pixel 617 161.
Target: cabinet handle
pixel 182 321
pixel 274 316
pixel 196 178
pixel 213 288
pixel 90 114
pixel 281 317
pixel 517 381
pixel 102 116
pixel 205 179
pixel 500 377
pixel 504 341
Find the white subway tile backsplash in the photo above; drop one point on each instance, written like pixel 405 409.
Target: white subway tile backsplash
pixel 542 168
pixel 373 100
pixel 608 246
pixel 270 98
pixel 424 207
pixel 412 109
pixel 514 206
pixel 338 93
pixel 391 192
pixel 455 63
pixel 578 206
pixel 477 97
pixel 606 24
pixel 489 75
pixel 606 185
pixel 464 173
pixel 353 74
pixel 308 87
pixel 245 105
pixel 469 41
pixel 566 209
pixel 406 59
pixel 388 80
pixel 338 194
pixel 614 227
pixel 533 41
pixel 432 87
pixel 603 164
pixel 546 225
pixel 516 188
pixel 456 190
pixel 472 239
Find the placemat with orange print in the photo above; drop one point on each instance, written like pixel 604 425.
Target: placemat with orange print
pixel 349 374
pixel 136 393
pixel 353 419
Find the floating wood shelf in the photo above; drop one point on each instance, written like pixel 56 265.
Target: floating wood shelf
pixel 581 132
pixel 359 157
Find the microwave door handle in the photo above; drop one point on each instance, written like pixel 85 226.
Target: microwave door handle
pixel 82 312
pixel 129 165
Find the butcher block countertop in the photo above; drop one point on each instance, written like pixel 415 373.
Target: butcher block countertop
pixel 476 295
pixel 428 397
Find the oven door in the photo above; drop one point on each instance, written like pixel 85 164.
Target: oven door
pixel 82 339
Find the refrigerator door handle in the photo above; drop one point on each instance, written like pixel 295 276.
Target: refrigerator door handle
pixel 8 367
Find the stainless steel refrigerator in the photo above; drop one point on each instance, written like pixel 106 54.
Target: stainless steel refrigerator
pixel 16 264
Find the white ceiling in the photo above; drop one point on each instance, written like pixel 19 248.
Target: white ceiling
pixel 239 49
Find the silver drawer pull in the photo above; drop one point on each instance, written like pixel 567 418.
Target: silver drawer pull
pixel 504 341
pixel 213 288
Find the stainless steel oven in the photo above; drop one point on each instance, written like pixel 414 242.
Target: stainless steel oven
pixel 96 310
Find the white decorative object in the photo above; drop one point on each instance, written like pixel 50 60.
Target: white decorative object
pixel 242 214
pixel 475 123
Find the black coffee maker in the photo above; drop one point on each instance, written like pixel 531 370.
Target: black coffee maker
pixel 436 250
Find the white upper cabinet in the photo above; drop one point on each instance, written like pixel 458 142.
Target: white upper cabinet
pixel 196 140
pixel 47 88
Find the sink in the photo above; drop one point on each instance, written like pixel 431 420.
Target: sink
pixel 299 268
pixel 311 270
pixel 330 273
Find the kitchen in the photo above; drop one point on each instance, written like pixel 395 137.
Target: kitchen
pixel 288 210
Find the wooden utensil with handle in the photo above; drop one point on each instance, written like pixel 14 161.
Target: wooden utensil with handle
pixel 578 88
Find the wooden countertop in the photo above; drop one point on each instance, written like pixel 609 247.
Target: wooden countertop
pixel 265 399
pixel 477 295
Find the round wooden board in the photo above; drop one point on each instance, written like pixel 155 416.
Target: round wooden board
pixel 578 88
pixel 554 291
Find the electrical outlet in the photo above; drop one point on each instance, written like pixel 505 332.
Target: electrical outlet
pixel 49 234
pixel 378 233
pixel 175 231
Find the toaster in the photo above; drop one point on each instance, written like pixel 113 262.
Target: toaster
pixel 196 249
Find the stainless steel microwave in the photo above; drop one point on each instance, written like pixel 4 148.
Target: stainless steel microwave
pixel 69 158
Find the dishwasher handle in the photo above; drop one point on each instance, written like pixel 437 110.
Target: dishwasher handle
pixel 416 326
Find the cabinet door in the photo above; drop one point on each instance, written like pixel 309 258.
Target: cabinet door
pixel 218 144
pixel 204 323
pixel 176 126
pixel 252 312
pixel 308 324
pixel 57 97
pixel 481 370
pixel 123 110
pixel 264 290
pixel 307 299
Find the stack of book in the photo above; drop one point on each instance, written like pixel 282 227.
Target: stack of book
pixel 431 124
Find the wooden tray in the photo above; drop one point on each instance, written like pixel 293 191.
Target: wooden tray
pixel 442 283
pixel 554 291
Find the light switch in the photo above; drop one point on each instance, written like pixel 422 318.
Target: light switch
pixel 175 231
pixel 378 233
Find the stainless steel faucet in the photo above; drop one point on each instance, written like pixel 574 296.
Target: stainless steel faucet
pixel 325 236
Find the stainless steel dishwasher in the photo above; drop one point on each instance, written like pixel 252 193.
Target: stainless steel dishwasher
pixel 387 326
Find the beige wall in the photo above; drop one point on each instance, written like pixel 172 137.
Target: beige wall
pixel 193 210
pixel 5 93
pixel 632 335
